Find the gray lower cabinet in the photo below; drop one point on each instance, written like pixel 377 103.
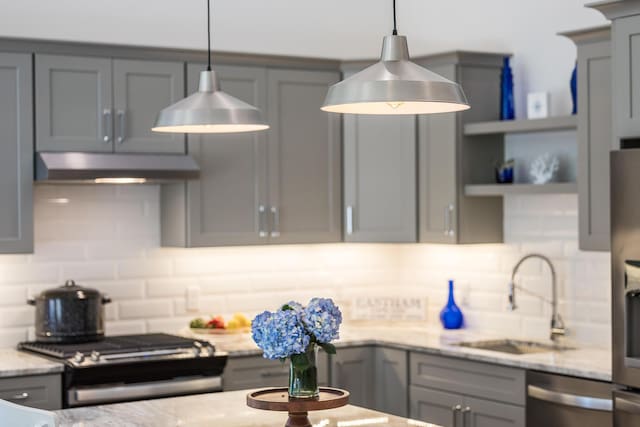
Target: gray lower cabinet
pixel 37 391
pixel 461 393
pixel 249 372
pixel 392 381
pixel 278 186
pixel 352 369
pixel 93 104
pixel 380 178
pixel 594 136
pixel 447 159
pixel 228 204
pixel 16 153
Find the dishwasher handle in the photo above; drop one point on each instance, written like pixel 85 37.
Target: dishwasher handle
pixel 568 399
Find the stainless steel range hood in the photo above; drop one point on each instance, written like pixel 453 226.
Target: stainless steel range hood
pixel 75 167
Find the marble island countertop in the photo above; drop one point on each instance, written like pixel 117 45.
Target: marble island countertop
pixel 215 409
pixel 14 363
pixel 592 363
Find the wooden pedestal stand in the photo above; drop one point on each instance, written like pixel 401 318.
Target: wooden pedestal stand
pixel 277 399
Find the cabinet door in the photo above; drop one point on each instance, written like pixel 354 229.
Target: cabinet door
pixel 227 205
pixel 73 104
pixel 304 158
pixel 16 153
pixel 485 413
pixel 36 391
pixel 435 407
pixel 243 373
pixel 380 178
pixel 140 90
pixel 352 369
pixel 626 76
pixel 392 388
pixel 594 144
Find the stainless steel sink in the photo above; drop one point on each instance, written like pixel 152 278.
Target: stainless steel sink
pixel 513 346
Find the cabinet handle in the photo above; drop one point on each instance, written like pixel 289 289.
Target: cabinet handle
pixel 448 220
pixel 275 230
pixel 454 412
pixel 349 220
pixel 122 125
pixel 466 419
pixel 107 125
pixel 262 220
pixel 20 396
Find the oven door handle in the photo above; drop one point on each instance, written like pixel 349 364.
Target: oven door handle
pixel 86 395
pixel 567 399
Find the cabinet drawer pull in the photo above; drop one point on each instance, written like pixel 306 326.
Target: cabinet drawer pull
pixel 275 230
pixel 262 220
pixel 107 125
pixel 349 220
pixel 454 411
pixel 448 221
pixel 20 396
pixel 122 125
pixel 466 419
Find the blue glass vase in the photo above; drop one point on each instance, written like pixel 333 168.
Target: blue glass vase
pixel 507 111
pixel 451 316
pixel 574 89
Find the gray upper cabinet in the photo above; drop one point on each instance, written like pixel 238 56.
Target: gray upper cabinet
pixel 447 159
pixel 228 204
pixel 73 103
pixel 392 375
pixel 380 178
pixel 140 90
pixel 92 104
pixel 594 136
pixel 626 77
pixel 16 153
pixel 304 158
pixel 353 369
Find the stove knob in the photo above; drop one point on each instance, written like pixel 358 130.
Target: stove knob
pixel 95 356
pixel 78 357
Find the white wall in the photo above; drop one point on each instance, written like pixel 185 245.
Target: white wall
pixel 330 28
pixel 108 237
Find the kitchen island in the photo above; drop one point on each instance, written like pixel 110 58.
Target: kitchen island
pixel 215 409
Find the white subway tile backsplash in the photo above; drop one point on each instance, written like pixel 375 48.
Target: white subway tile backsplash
pixel 145 309
pixel 143 268
pixel 125 327
pixel 17 316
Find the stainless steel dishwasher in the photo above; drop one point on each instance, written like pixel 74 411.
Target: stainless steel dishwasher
pixel 560 401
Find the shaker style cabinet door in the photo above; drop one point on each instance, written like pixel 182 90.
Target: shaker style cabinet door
pixel 594 143
pixel 486 413
pixel 435 407
pixel 380 179
pixel 140 90
pixel 227 205
pixel 304 158
pixel 626 76
pixel 73 104
pixel 352 369
pixel 391 373
pixel 16 153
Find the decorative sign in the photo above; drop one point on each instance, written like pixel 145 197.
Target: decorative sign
pixel 389 308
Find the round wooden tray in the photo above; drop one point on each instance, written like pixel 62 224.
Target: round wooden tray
pixel 277 399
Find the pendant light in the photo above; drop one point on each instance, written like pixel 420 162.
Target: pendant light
pixel 209 110
pixel 395 85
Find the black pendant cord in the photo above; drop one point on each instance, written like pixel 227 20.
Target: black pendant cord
pixel 395 22
pixel 209 35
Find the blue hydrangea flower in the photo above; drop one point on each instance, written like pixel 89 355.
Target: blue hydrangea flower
pixel 322 318
pixel 280 334
pixel 296 306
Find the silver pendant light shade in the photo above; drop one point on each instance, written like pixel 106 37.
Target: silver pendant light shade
pixel 209 110
pixel 395 85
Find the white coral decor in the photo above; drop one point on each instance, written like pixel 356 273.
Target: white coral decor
pixel 544 168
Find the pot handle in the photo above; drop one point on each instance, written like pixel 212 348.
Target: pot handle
pixel 105 299
pixel 31 301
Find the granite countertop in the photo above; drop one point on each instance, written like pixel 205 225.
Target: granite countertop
pixel 14 363
pixel 592 363
pixel 215 409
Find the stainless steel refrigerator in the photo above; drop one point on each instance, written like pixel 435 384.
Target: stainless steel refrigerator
pixel 625 258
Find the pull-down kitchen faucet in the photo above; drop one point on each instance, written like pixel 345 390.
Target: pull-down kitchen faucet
pixel 557 324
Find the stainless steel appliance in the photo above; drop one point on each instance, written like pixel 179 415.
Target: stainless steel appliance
pixel 625 258
pixel 560 401
pixel 134 367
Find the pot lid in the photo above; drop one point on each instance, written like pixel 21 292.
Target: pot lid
pixel 71 290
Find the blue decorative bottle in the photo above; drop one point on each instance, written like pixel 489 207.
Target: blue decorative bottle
pixel 507 111
pixel 574 89
pixel 451 316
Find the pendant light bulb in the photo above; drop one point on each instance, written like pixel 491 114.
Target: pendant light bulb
pixel 395 86
pixel 209 110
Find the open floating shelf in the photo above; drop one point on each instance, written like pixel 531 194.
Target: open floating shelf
pixel 521 126
pixel 502 189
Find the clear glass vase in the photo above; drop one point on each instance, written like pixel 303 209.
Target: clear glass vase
pixel 303 374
